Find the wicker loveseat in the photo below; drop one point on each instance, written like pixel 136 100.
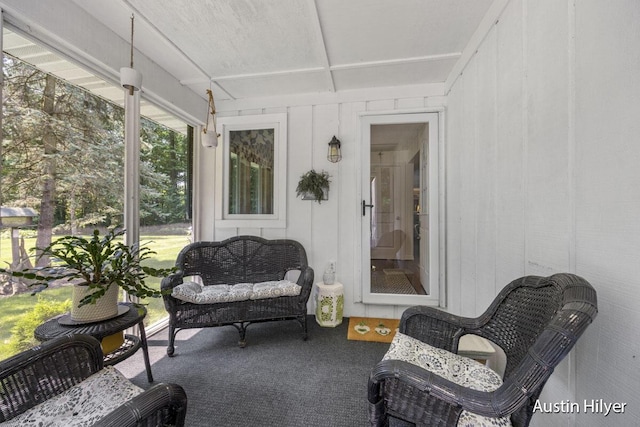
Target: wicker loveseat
pixel 62 383
pixel 239 265
pixel 535 320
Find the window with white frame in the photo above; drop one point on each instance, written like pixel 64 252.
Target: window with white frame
pixel 251 171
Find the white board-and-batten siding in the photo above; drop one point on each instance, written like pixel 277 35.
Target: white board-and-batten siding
pixel 542 177
pixel 330 230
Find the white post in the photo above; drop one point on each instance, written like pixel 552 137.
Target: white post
pixel 132 167
pixel 131 81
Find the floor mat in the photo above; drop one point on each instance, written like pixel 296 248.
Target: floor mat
pixel 372 329
pixel 394 271
pixel 391 283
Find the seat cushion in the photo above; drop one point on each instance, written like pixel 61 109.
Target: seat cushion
pixel 453 367
pixel 273 289
pixel 197 294
pixel 188 291
pixel 81 405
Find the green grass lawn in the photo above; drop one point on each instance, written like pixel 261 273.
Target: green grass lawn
pixel 14 307
pixel 12 310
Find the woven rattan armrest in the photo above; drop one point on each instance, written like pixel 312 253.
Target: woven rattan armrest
pixel 172 280
pixel 460 398
pixel 306 282
pixel 161 405
pixel 435 327
pixel 35 375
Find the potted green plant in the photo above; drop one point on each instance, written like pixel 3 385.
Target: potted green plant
pixel 314 184
pixel 98 267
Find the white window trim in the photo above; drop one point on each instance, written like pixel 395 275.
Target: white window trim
pixel 279 217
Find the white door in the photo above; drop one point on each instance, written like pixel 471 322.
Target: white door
pixel 400 209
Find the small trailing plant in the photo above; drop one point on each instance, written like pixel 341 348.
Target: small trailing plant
pixel 314 183
pixel 97 262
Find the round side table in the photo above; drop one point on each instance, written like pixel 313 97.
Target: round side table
pixel 52 328
pixel 329 304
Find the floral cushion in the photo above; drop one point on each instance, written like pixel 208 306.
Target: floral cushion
pixel 239 292
pixel 81 405
pixel 187 290
pixel 275 289
pixel 455 368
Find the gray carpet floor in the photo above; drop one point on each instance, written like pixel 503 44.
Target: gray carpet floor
pixel 277 380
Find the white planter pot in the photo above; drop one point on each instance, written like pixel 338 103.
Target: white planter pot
pixel 310 196
pixel 105 307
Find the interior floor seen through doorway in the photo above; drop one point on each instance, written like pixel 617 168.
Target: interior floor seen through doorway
pixel 387 271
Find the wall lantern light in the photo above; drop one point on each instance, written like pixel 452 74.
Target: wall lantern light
pixel 334 155
pixel 209 134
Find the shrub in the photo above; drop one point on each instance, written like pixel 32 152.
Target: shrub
pixel 44 309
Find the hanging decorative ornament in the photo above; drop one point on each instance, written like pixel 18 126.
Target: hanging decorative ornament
pixel 209 134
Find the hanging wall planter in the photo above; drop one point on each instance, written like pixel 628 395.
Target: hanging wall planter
pixel 314 186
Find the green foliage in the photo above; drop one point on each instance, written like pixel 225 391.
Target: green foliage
pixel 44 309
pixel 315 183
pixel 98 262
pixel 163 175
pixel 78 145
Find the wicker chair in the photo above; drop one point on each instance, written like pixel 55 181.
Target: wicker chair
pixel 242 259
pixel 34 376
pixel 535 320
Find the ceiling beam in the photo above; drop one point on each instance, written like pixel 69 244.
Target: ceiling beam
pixel 323 47
pixel 398 61
pixel 432 94
pixel 368 64
pixel 269 74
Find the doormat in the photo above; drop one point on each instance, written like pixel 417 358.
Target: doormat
pixel 391 283
pixel 394 271
pixel 372 329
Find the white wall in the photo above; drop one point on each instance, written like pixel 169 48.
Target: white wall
pixel 542 177
pixel 330 230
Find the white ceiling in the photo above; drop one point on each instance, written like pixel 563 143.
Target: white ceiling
pixel 264 48
pixel 256 48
